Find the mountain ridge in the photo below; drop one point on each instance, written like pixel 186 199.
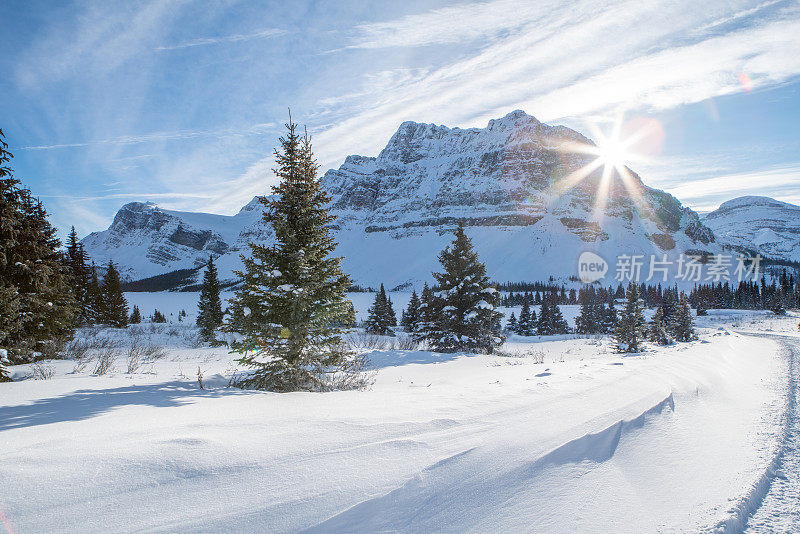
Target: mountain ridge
pixel 506 183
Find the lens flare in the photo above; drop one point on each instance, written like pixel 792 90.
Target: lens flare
pixel 626 142
pixel 746 82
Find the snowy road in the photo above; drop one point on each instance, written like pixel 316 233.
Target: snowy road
pixel 780 509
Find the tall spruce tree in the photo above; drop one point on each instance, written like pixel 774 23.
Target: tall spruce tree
pixel 36 304
pixel 94 298
pixel 683 324
pixel 209 308
pixel 115 307
pixel 428 314
pixel 657 332
pixel 381 317
pixel 136 315
pixel 468 319
pixel 12 317
pixel 410 317
pixel 526 325
pixel 80 277
pixel 631 329
pixel 512 324
pixel 293 290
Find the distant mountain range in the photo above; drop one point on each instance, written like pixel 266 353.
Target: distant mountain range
pixel 507 183
pixel 762 224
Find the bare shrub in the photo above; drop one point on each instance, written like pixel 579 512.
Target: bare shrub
pixel 80 364
pixel 42 372
pixel 193 340
pixel 537 355
pixel 105 360
pixel 406 343
pixel 364 340
pixel 151 353
pixel 350 375
pixel 77 349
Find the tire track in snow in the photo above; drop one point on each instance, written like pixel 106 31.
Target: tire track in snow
pixel 766 490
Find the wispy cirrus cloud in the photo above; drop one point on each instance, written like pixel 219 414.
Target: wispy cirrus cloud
pixel 235 38
pixel 256 129
pixel 708 193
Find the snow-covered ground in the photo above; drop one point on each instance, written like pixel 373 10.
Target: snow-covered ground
pixel 673 439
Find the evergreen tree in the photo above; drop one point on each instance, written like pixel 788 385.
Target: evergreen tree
pixel 512 324
pixel 209 309
pixel 293 290
pixel 683 325
pixel 630 330
pixel 610 319
pixel 468 320
pixel 559 324
pixel 115 307
pixel 657 333
pixel 136 316
pixel 526 326
pixel 36 306
pixel 158 317
pixel 12 317
pixel 428 314
pixel 348 318
pixel 94 298
pixel 381 315
pixel 411 315
pixel 80 277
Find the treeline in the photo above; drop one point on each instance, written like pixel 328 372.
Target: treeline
pixel 781 293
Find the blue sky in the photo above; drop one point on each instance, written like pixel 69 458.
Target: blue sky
pixel 181 102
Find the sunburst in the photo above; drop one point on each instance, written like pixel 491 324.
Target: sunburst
pixel 613 153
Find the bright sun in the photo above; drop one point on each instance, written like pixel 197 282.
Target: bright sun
pixel 612 153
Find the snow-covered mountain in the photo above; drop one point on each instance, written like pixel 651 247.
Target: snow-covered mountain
pixel 761 224
pixel 509 183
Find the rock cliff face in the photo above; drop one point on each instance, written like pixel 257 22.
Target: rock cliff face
pixel 509 183
pixel 760 224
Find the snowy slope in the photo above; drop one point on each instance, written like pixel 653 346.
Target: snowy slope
pixel 762 224
pixel 672 439
pixel 507 183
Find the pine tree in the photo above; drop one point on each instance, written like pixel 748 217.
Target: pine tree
pixel 428 313
pixel 512 323
pixel 657 333
pixel 348 318
pixel 293 290
pixel 610 319
pixel 544 323
pixel 630 331
pixel 209 309
pixel 158 317
pixel 80 276
pixel 12 317
pixel 468 320
pixel 559 324
pixel 94 298
pixel 115 307
pixel 136 316
pixel 683 325
pixel 36 304
pixel 411 315
pixel 526 325
pixel 381 315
